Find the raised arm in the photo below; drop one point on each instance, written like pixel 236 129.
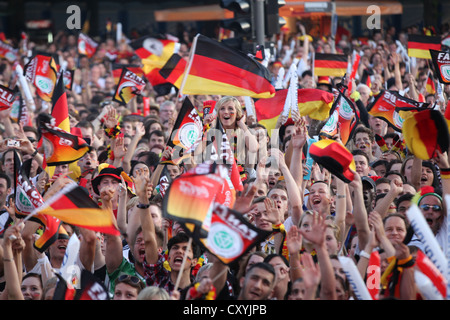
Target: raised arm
pixel 142 185
pixel 359 210
pixel 316 235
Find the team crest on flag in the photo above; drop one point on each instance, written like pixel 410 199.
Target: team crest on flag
pixel 394 108
pixel 7 97
pixel 129 86
pixel 7 52
pixel 86 45
pixel 41 72
pixel 230 235
pixel 27 200
pixel 186 134
pixel 190 197
pixel 441 62
pixel 343 117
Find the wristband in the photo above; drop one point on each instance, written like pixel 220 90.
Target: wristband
pixel 8 260
pixel 143 205
pixel 34 153
pixel 340 196
pixel 364 254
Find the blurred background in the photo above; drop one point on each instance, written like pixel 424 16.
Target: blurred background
pixel 41 20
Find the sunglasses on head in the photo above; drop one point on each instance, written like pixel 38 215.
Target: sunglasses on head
pixel 130 279
pixel 427 207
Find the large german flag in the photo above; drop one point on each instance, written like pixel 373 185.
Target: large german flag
pixel 328 64
pixel 215 68
pixel 74 206
pixel 425 132
pixel 419 45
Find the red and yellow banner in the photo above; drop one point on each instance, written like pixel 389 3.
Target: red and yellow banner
pixel 41 72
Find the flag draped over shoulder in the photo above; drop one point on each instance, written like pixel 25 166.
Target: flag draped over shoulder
pixel 73 205
pixel 186 133
pixel 60 147
pixel 154 53
pixel 86 45
pixel 394 108
pixel 7 97
pixel 41 72
pixel 230 235
pixel 441 62
pixel 344 117
pixel 28 199
pixel 329 64
pixel 419 45
pixel 129 86
pixel 190 197
pixel 215 68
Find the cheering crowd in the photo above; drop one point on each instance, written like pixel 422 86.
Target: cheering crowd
pixel 318 219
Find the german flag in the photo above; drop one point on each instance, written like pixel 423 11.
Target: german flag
pixel 190 197
pixel 28 199
pixel 230 226
pixel 334 157
pixel 130 85
pixel 425 132
pixel 215 68
pixel 41 72
pixel 60 147
pixel 328 64
pixel 343 116
pixel 419 45
pixel 7 97
pixel 173 70
pixel 441 62
pixel 312 102
pixel 186 134
pixel 117 68
pixel 154 53
pixel 394 108
pixel 73 205
pixel 86 46
pixel 430 87
pixel 60 108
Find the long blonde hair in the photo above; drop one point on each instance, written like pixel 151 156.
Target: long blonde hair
pixel 237 106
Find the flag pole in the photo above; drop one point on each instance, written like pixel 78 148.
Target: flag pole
pixel 188 66
pixel 180 273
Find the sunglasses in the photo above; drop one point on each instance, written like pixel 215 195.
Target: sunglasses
pixel 133 280
pixel 427 207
